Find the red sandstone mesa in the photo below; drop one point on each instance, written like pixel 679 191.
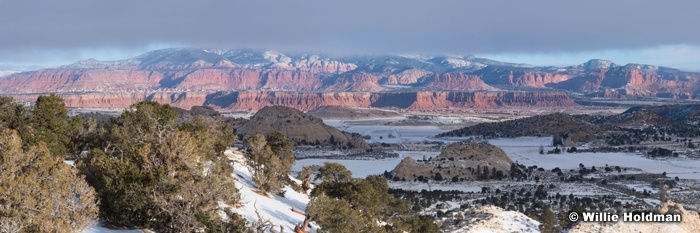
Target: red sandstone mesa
pixel 250 80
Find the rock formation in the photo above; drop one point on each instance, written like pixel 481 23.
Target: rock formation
pixel 407 77
pixel 251 79
pixel 510 76
pixel 300 128
pixel 470 160
pixel 456 81
pixel 255 100
pixel 636 80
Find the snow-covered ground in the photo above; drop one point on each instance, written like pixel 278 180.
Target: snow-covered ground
pixel 446 186
pixel 359 168
pixel 363 168
pixel 101 229
pixel 276 209
pixel 525 150
pixel 399 133
pixel 4 73
pixel 491 219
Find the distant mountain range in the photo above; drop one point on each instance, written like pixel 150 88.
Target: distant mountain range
pixel 252 79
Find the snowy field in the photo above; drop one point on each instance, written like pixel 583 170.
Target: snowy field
pixel 525 150
pixel 364 168
pixel 377 129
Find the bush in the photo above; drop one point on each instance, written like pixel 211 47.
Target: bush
pixel 39 192
pixel 365 202
pixel 155 173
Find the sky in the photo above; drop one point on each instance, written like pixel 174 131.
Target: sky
pixel 35 34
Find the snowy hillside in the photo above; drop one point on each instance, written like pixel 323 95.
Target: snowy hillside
pixel 494 219
pixel 275 211
pixel 4 73
pixel 273 208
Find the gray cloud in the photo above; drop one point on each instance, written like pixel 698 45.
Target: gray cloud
pixel 359 26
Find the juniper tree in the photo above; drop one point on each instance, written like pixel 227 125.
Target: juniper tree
pixel 50 124
pixel 305 177
pixel 39 192
pixel 369 202
pixel 271 159
pixel 333 173
pixel 12 114
pixel 337 215
pixel 155 173
pixel 548 221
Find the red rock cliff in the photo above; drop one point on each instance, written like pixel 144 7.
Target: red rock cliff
pixel 419 101
pixel 254 100
pixel 520 77
pixel 456 81
pixel 77 80
pixel 427 101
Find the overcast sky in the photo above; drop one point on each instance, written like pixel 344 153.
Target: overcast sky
pixel 543 32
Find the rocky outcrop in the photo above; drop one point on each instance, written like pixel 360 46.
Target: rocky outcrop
pixel 301 128
pixel 510 76
pixel 427 101
pixel 456 81
pixel 407 77
pixel 355 82
pixel 72 80
pixel 214 79
pixel 470 160
pixel 317 64
pixel 406 168
pixel 300 100
pixel 312 63
pixel 237 79
pixel 598 64
pixel 636 80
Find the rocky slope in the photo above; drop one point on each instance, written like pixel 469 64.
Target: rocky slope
pixel 519 77
pixel 634 80
pixel 300 128
pixel 470 160
pixel 230 78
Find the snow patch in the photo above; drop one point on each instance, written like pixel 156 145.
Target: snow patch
pixel 492 219
pixel 273 208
